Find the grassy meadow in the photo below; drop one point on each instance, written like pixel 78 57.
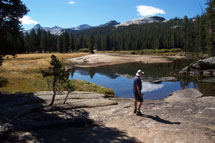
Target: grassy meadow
pixel 158 52
pixel 23 73
pixel 163 52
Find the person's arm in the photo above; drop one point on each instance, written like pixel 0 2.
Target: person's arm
pixel 138 90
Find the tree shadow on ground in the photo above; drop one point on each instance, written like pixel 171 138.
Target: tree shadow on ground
pixel 28 118
pixel 160 120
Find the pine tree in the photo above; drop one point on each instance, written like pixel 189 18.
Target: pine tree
pixel 107 43
pixel 27 42
pixel 185 32
pixel 11 11
pixel 39 36
pixel 91 44
pixel 211 26
pixel 65 42
pixel 43 42
pixel 33 41
pixel 60 79
pixel 60 44
pixel 71 43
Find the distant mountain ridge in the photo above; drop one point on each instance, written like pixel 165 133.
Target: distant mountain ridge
pixel 81 27
pixel 110 23
pixel 59 30
pixel 142 20
pixel 53 30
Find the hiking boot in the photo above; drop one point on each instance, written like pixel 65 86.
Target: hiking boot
pixel 135 110
pixel 138 113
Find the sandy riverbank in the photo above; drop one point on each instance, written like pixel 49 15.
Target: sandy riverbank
pixel 101 59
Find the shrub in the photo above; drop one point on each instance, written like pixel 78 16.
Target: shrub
pixel 3 81
pixel 84 50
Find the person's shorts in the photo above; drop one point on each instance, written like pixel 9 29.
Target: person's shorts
pixel 138 97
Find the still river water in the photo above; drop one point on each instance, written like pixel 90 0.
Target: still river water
pixel 120 78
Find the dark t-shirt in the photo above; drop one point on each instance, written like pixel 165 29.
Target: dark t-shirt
pixel 136 82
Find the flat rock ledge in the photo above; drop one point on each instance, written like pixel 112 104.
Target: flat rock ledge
pixel 184 117
pixel 104 59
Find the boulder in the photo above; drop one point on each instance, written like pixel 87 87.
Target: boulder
pixel 205 56
pixel 157 81
pixel 186 69
pixel 169 78
pixel 205 67
pixel 208 63
pixel 209 80
pixel 207 73
pixel 195 65
pixel 184 96
pixel 195 72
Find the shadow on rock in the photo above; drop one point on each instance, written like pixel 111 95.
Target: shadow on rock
pixel 160 120
pixel 28 118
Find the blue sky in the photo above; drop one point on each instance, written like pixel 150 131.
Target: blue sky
pixel 72 13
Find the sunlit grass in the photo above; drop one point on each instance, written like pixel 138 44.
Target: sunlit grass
pixel 115 52
pixel 166 52
pixel 161 52
pixel 29 63
pixel 23 73
pixel 91 87
pixel 24 83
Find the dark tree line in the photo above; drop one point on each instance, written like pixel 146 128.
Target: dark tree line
pixel 186 34
pixel 189 34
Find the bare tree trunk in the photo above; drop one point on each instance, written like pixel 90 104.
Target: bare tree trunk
pixel 66 97
pixel 53 88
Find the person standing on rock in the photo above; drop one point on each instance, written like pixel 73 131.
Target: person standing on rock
pixel 138 96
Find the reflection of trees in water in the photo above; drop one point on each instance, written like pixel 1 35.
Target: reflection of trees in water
pixel 153 70
pixel 71 71
pixel 91 72
pixel 186 80
pixel 207 88
pixel 129 70
pixel 104 70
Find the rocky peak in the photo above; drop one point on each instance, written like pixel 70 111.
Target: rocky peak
pixel 37 26
pixel 82 27
pixel 143 20
pixel 110 23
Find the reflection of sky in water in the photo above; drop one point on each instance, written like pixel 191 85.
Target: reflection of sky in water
pixel 148 87
pixel 123 87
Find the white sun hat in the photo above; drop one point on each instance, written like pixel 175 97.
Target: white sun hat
pixel 139 73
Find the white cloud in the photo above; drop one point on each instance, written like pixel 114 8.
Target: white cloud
pixel 147 87
pixel 144 10
pixel 71 2
pixel 27 20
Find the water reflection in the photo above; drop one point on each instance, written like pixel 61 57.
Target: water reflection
pixel 120 78
pixel 148 87
pixel 129 70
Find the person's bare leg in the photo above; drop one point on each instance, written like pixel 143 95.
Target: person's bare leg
pixel 140 104
pixel 135 104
